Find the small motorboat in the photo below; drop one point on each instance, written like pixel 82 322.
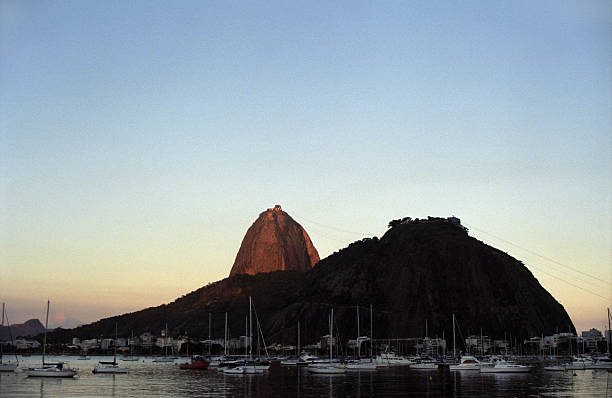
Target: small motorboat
pixel 468 362
pixel 234 371
pixel 506 367
pixel 425 364
pixel 198 362
pixel 111 369
pixel 290 361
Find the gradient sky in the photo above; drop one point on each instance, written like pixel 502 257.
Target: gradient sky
pixel 141 139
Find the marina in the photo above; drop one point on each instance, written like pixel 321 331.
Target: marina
pixel 146 378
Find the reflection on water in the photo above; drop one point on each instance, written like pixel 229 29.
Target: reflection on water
pixel 167 380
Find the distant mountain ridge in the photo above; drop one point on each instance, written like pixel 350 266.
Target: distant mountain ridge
pixel 420 270
pixel 32 327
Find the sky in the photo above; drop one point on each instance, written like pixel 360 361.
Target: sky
pixel 139 140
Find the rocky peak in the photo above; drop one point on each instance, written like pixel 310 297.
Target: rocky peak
pixel 275 242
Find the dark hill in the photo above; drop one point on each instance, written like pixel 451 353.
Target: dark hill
pixel 430 269
pixel 419 270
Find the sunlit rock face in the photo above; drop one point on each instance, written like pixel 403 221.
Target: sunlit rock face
pixel 275 242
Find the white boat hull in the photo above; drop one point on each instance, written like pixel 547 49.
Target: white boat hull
pixel 606 365
pixel 163 360
pixel 464 367
pixel 110 369
pixel 8 367
pixel 361 366
pixel 51 372
pixel 525 369
pixel 326 370
pixel 234 371
pixel 392 360
pixel 253 370
pixel 424 366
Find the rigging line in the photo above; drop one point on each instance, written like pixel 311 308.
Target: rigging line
pixel 539 255
pixel 334 228
pixel 317 231
pixel 569 283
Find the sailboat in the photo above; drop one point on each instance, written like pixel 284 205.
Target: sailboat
pixel 10 366
pixel 293 361
pixel 254 366
pixel 250 366
pixel 165 358
pixel 327 368
pixel 114 368
pixel 59 369
pixel 131 357
pixel 360 364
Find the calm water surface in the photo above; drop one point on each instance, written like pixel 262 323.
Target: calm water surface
pixel 167 380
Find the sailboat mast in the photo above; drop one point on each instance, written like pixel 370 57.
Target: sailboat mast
pixel 298 348
pixel 166 341
pixel 246 340
pixel 331 335
pixel 371 333
pixel 209 319
pixel 454 351
pixel 609 335
pixel 225 337
pixel 115 353
pixel 45 336
pixel 250 339
pixel 358 343
pixel 1 352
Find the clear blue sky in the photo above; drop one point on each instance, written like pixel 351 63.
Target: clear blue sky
pixel 141 139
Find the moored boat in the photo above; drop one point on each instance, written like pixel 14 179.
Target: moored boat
pixel 601 363
pixel 506 367
pixel 59 369
pixel 360 365
pixel 7 366
pixel 162 359
pixel 112 367
pixel 236 370
pixel 424 364
pixel 325 369
pixel 328 367
pixel 391 359
pixel 467 362
pixel 198 362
